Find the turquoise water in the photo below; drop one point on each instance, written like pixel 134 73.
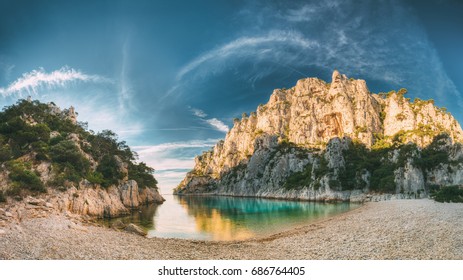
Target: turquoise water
pixel 228 218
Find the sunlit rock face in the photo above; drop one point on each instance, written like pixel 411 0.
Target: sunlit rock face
pixel 310 115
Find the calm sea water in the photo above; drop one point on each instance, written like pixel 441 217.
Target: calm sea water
pixel 228 218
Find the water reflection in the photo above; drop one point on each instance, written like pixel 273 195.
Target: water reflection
pixel 228 218
pixel 231 218
pixel 142 217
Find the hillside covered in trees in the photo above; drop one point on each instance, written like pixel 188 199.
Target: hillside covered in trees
pixel 44 148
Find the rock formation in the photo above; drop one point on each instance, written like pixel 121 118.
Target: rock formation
pixel 310 138
pixel 46 153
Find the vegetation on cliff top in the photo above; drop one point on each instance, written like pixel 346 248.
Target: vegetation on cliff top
pixel 34 134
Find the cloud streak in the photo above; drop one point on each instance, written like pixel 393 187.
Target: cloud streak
pixel 245 45
pixel 167 147
pixel 5 69
pixel 217 124
pixel 214 122
pixel 198 113
pixel 308 12
pixel 125 94
pixel 35 80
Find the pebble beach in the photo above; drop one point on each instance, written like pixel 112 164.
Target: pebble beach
pixel 395 229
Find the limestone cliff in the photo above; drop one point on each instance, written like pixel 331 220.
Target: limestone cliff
pixel 306 135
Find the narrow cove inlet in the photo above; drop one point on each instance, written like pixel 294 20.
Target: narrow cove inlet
pixel 223 218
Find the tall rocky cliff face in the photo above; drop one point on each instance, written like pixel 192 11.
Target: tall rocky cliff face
pixel 323 141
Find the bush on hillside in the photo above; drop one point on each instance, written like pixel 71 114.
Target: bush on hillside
pixel 448 194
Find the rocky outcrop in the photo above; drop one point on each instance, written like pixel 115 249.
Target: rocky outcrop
pixel 149 195
pixel 85 201
pixel 123 168
pixel 110 202
pixel 305 135
pixel 69 114
pixel 130 194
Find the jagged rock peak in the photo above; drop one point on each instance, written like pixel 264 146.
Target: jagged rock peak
pixel 337 76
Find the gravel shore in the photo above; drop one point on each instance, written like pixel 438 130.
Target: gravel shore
pixel 398 229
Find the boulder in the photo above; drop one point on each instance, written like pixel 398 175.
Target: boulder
pixel 150 195
pixel 35 201
pixel 118 225
pixel 135 229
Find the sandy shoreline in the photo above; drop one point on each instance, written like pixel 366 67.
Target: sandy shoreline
pixel 397 229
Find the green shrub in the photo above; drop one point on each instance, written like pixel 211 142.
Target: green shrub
pixel 334 184
pixel 41 148
pixel 402 91
pixel 65 172
pixel 357 159
pixel 56 140
pixel 14 190
pixel 25 179
pixel 298 180
pixel 407 151
pixel 66 152
pixel 95 178
pixel 322 167
pixel 110 171
pixel 142 174
pixel 5 153
pixel 449 194
pixel 433 155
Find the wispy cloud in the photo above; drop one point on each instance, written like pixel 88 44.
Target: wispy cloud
pixel 166 147
pixel 248 45
pixel 214 122
pixel 219 125
pixel 125 95
pixel 35 80
pixel 308 12
pixel 5 70
pixel 198 113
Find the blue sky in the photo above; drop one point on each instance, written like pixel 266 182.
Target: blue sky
pixel 169 76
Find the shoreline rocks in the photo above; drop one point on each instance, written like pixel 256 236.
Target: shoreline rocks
pixel 85 203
